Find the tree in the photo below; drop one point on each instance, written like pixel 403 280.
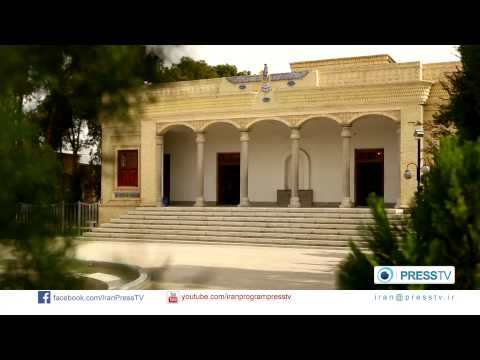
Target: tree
pixel 463 110
pixel 443 227
pixel 227 70
pixel 73 81
pixel 67 84
pixel 29 174
pixel 190 69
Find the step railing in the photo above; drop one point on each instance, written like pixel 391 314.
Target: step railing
pixel 78 216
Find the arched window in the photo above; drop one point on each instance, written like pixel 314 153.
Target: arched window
pixel 303 171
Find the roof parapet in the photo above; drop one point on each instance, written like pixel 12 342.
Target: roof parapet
pixel 358 60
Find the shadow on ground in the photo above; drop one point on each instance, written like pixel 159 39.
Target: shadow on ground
pixel 202 277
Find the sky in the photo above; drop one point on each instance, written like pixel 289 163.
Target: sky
pixel 279 57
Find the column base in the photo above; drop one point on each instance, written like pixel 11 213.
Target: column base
pixel 244 202
pixel 346 203
pixel 160 203
pixel 199 202
pixel 294 202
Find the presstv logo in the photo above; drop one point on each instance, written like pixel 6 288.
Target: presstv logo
pixel 44 297
pixel 414 274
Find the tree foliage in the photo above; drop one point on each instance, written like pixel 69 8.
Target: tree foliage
pixel 30 173
pixel 386 244
pixel 190 69
pixel 463 87
pixel 66 85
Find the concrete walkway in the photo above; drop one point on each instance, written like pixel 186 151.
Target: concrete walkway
pixel 222 266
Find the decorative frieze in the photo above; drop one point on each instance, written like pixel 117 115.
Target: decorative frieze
pixel 349 117
pixel 295 75
pixel 292 121
pixel 367 75
pixel 415 93
pixel 187 88
pixel 439 71
pixel 244 79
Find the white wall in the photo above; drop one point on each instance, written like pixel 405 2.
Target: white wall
pixel 269 143
pixel 321 140
pixel 268 148
pixel 180 144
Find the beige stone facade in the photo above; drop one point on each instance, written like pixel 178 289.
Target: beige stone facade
pixel 293 131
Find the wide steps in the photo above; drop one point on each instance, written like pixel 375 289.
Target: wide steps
pixel 309 223
pixel 250 214
pixel 227 226
pixel 318 227
pixel 228 239
pixel 297 219
pixel 139 233
pixel 236 209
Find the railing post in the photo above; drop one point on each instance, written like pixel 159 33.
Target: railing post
pixel 63 216
pixel 79 214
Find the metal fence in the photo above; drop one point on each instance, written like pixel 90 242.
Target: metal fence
pixel 64 216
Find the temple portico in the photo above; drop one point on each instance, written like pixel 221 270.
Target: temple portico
pixel 325 135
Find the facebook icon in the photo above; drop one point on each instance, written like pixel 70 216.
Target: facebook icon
pixel 44 297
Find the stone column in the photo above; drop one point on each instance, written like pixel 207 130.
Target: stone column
pixel 200 201
pixel 159 160
pixel 400 170
pixel 148 165
pixel 346 154
pixel 244 201
pixel 294 198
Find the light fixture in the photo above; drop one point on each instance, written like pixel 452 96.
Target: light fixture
pixel 407 174
pixel 419 132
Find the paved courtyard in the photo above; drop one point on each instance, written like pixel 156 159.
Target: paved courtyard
pixel 222 266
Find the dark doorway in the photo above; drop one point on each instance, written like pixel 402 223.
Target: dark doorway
pixel 368 174
pixel 166 178
pixel 228 178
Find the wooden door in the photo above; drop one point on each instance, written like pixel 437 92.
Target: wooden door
pixel 228 178
pixel 369 174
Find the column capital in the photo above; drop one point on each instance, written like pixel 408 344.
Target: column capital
pixel 346 131
pixel 295 134
pixel 244 136
pixel 200 137
pixel 159 139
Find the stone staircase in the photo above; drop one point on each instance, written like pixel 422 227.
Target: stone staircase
pixel 324 227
